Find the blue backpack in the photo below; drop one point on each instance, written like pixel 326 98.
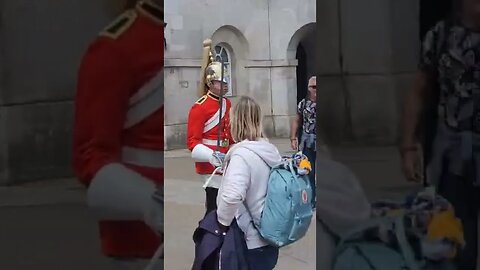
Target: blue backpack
pixel 356 252
pixel 288 210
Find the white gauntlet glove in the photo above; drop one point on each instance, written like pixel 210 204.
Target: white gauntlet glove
pixel 217 159
pixel 202 153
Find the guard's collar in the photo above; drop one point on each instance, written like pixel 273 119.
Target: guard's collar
pixel 152 11
pixel 212 95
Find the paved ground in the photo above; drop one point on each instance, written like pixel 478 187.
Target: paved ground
pixel 47 226
pixel 185 207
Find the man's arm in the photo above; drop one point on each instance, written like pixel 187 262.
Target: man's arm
pixel 104 82
pixel 417 97
pixel 294 127
pixel 414 104
pixel 195 126
pixel 410 148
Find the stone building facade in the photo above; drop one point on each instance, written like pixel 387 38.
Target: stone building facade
pixel 261 38
pixel 363 52
pixel 367 53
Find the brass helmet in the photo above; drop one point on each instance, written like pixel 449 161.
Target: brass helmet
pixel 211 70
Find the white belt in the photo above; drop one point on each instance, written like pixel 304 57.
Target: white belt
pixel 142 157
pixel 223 143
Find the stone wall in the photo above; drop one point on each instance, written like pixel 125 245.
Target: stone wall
pixel 41 44
pixel 262 36
pixel 367 58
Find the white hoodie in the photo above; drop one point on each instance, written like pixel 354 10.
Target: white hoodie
pixel 245 180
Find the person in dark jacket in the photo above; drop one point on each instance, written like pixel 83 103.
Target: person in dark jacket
pixel 219 249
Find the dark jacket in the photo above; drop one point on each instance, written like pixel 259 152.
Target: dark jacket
pixel 217 251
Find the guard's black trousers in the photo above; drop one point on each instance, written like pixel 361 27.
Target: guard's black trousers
pixel 211 199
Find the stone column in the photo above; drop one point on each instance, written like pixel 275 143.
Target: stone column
pixel 182 77
pixel 41 46
pixel 284 79
pixel 260 88
pixel 368 54
pixel 332 109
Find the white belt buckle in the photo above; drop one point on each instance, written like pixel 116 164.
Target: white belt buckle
pixel 223 143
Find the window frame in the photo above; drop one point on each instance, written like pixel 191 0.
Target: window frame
pixel 228 65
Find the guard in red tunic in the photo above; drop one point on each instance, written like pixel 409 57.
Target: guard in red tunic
pixel 118 132
pixel 207 137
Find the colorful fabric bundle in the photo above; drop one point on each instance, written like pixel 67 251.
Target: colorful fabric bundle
pixel 430 224
pixel 301 163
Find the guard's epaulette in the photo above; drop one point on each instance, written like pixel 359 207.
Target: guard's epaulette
pixel 120 25
pixel 201 100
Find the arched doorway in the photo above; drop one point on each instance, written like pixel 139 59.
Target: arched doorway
pixel 302 77
pixel 302 48
pixel 432 11
pixel 222 53
pixel 230 45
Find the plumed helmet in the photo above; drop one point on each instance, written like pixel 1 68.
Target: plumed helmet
pixel 211 70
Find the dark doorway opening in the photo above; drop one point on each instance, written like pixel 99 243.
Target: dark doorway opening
pixel 432 11
pixel 302 80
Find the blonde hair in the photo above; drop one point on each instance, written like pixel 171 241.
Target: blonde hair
pixel 246 120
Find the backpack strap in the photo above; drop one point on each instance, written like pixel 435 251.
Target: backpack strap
pixel 256 226
pixel 226 161
pixel 251 217
pixel 405 248
pixel 290 165
pixel 358 231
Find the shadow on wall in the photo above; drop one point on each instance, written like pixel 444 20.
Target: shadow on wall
pixel 114 7
pixel 35 134
pixel 176 138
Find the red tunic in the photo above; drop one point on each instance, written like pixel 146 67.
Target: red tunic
pixel 200 114
pixel 120 61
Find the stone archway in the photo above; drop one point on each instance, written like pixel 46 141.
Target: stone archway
pixel 302 48
pixel 432 11
pixel 235 42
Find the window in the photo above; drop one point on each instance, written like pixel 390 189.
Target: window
pixel 222 53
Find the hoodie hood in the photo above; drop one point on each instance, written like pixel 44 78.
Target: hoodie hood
pixel 267 151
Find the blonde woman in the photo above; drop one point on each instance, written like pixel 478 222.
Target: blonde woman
pixel 245 181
